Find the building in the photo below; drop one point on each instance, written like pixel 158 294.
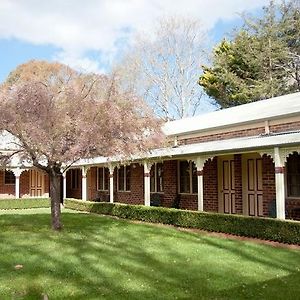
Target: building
pixel 240 160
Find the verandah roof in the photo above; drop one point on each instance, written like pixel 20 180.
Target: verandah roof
pixel 219 147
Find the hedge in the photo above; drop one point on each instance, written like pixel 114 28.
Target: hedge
pixel 262 228
pixel 23 203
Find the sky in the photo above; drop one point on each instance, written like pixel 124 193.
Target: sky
pixel 91 35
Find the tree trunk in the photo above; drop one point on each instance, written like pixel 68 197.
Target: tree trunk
pixel 55 195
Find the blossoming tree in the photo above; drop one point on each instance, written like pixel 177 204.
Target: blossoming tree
pixel 59 116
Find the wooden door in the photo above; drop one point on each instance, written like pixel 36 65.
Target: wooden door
pixel 36 182
pixel 252 185
pixel 226 185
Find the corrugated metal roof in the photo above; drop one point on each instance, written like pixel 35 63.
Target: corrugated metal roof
pixel 286 105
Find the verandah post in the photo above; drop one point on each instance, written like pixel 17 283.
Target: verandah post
pixel 280 184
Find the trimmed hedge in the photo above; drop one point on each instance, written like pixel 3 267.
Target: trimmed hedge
pixel 23 203
pixel 262 228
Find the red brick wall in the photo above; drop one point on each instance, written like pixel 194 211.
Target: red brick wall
pixel 73 193
pixel 24 184
pixel 240 133
pixel 170 196
pixel 8 190
pixel 238 183
pixel 223 136
pixel 210 183
pixel 269 187
pixel 285 127
pixel 188 201
pixel 92 183
pixel 170 183
pixel 293 209
pixel 136 194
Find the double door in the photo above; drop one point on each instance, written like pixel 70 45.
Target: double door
pixel 252 190
pixel 36 183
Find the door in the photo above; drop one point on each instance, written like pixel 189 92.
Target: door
pixel 36 182
pixel 226 185
pixel 252 185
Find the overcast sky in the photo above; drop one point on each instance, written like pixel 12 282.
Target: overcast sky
pixel 91 34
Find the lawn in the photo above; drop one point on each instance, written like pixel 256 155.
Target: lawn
pixel 97 257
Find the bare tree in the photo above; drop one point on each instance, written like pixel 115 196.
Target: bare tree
pixel 59 116
pixel 164 67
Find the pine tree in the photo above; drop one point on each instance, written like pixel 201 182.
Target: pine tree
pixel 261 61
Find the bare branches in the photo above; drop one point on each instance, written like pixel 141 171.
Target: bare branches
pixel 164 68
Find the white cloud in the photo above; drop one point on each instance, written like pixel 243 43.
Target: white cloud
pixel 77 26
pixel 80 63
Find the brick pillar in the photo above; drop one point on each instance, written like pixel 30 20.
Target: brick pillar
pixel 238 183
pixel 269 188
pixel 170 182
pixel 210 185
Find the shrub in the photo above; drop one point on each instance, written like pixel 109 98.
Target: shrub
pixel 24 203
pixel 262 228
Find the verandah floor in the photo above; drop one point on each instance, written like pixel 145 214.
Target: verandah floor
pixel 100 257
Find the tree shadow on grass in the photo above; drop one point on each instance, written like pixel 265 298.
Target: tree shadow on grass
pixel 98 257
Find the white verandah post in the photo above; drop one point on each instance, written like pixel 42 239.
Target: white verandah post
pixel 280 184
pixel 200 164
pixel 64 185
pixel 17 172
pixel 111 184
pixel 147 168
pixel 84 183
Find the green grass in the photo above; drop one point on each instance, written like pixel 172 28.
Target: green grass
pixel 98 257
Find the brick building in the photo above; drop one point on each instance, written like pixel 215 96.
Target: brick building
pixel 241 160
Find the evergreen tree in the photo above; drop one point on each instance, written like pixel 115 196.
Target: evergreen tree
pixel 261 61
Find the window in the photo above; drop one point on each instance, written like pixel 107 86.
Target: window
pixel 9 177
pixel 293 175
pixel 188 181
pixel 102 179
pixel 75 178
pixel 156 178
pixel 124 178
